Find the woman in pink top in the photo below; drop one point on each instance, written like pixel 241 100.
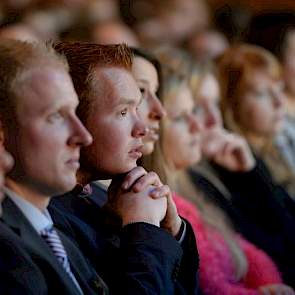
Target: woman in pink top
pixel 229 264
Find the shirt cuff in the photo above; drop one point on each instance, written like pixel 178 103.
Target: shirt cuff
pixel 182 231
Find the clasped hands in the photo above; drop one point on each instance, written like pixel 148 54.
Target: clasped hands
pixel 140 196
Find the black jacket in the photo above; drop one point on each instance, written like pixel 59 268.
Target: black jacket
pixel 137 259
pixel 18 273
pixel 57 280
pixel 260 210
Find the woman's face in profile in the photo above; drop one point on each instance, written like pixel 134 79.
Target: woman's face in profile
pixel 260 107
pixel 182 130
pixel 151 109
pixel 207 102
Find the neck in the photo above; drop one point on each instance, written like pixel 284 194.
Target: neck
pixel 38 200
pixel 85 177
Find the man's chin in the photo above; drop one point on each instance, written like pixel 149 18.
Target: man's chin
pixel 66 186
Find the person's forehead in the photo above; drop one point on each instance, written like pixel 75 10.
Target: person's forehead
pixel 141 65
pixel 261 79
pixel 118 84
pixel 144 71
pixel 181 101
pixel 47 86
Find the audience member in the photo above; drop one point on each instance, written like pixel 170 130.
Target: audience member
pixel 172 21
pixel 251 100
pixel 281 24
pixel 228 263
pixel 113 33
pixel 44 136
pixel 253 104
pixel 18 273
pixel 108 107
pixel 207 45
pixel 18 32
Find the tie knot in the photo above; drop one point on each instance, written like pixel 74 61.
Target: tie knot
pixel 82 191
pixel 47 231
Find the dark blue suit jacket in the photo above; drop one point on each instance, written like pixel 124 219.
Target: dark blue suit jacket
pixel 18 273
pixel 50 270
pixel 138 259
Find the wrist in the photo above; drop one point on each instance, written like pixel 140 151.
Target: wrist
pixel 177 226
pixel 173 227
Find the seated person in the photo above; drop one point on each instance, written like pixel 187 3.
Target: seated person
pixel 229 264
pixel 44 136
pixel 109 98
pixel 253 104
pixel 235 181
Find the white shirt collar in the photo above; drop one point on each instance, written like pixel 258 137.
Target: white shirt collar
pixel 39 220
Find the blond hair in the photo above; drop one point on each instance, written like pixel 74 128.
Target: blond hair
pixel 180 182
pixel 16 59
pixel 235 69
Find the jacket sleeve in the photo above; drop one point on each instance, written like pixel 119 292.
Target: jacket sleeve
pixel 267 217
pixel 189 266
pixel 153 262
pixel 255 192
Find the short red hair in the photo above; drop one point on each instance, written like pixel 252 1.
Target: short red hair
pixel 83 58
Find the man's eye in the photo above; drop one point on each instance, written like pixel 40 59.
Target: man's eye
pixel 142 90
pixel 123 112
pixel 55 116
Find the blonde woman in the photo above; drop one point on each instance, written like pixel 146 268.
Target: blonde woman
pixel 228 263
pixel 253 104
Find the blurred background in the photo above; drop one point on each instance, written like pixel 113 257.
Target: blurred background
pixel 203 27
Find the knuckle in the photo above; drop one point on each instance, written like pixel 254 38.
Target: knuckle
pixel 141 169
pixel 153 174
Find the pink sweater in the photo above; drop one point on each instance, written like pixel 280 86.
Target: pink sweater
pixel 216 265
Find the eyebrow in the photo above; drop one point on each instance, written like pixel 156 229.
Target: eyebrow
pixel 142 80
pixel 146 82
pixel 130 101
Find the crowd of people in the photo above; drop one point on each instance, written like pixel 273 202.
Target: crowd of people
pixel 145 149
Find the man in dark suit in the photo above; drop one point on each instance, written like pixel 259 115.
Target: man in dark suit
pixel 40 129
pixel 18 273
pixel 143 254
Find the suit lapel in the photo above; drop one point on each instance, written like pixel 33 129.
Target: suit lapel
pixel 87 277
pixel 35 245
